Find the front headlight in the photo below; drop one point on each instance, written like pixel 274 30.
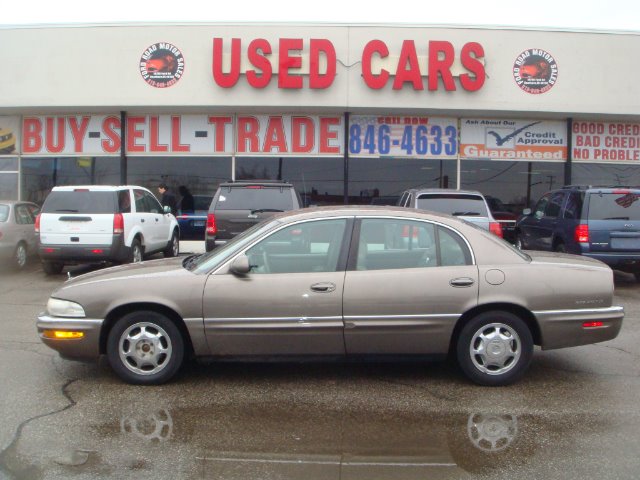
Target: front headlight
pixel 64 308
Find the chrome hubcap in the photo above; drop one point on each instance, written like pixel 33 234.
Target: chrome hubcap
pixel 495 349
pixel 145 348
pixel 175 246
pixel 21 256
pixel 137 254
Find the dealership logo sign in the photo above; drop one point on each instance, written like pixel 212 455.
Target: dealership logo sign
pixel 162 65
pixel 535 71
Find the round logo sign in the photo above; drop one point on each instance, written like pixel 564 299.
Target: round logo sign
pixel 162 65
pixel 535 71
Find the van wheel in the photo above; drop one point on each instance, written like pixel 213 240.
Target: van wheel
pixel 136 254
pixel 20 256
pixel 173 248
pixel 52 268
pixel 560 248
pixel 495 348
pixel 145 348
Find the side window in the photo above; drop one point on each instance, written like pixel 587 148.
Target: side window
pixel 34 211
pixel 141 204
pixel 124 201
pixel 23 215
pixel 573 210
pixel 554 205
pixel 153 205
pixel 453 250
pixel 303 247
pixel 538 212
pixel 395 243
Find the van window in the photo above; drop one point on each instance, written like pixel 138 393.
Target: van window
pixel 80 201
pixel 254 198
pixel 614 206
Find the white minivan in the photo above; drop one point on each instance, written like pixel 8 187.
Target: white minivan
pixel 98 223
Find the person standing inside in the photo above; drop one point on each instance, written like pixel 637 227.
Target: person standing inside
pixel 168 199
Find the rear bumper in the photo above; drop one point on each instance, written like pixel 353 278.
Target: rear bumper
pixel 565 328
pixel 85 348
pixel 116 251
pixel 625 261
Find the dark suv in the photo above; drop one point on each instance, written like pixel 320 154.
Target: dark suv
pixel 237 206
pixel 598 222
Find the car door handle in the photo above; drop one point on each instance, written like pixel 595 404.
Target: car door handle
pixel 461 282
pixel 324 287
pixel 142 220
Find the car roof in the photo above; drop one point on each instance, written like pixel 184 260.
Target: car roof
pixel 95 188
pixel 599 188
pixel 448 191
pixel 271 183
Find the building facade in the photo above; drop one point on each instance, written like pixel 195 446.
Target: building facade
pixel 347 113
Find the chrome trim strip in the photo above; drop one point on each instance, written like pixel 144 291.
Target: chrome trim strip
pixel 273 322
pixel 45 321
pixel 615 311
pixel 417 316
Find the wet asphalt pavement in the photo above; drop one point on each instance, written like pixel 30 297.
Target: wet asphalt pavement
pixel 574 415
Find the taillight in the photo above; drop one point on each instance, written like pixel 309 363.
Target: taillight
pixel 581 233
pixel 212 229
pixel 495 228
pixel 118 223
pixel 37 226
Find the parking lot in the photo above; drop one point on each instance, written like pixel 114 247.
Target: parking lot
pixel 574 415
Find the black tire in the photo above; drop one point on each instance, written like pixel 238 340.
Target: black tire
pixel 136 253
pixel 511 348
pixel 560 248
pixel 52 268
pixel 154 357
pixel 20 256
pixel 173 247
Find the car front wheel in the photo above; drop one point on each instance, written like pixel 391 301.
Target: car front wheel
pixel 495 348
pixel 145 348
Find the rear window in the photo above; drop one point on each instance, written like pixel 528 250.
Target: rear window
pixel 201 203
pixel 255 198
pixel 614 206
pixel 454 204
pixel 4 213
pixel 80 201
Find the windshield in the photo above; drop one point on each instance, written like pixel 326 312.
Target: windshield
pixel 4 213
pixel 254 198
pixel 208 261
pixel 614 206
pixel 80 201
pixel 454 204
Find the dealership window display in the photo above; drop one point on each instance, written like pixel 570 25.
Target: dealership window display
pixel 318 180
pixel 605 174
pixel 8 178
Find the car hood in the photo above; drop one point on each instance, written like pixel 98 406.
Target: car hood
pixel 564 259
pixel 138 271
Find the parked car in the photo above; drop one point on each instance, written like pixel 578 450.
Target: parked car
pixel 338 281
pixel 97 223
pixel 466 204
pixel 193 223
pixel 504 217
pixel 237 206
pixel 597 222
pixel 17 232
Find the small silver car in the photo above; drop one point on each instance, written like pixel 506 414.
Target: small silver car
pixel 18 238
pixel 338 281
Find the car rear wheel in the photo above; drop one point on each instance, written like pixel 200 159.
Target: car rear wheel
pixel 560 248
pixel 145 348
pixel 136 254
pixel 495 348
pixel 20 256
pixel 173 248
pixel 52 268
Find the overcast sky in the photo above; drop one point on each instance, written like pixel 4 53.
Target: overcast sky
pixel 579 14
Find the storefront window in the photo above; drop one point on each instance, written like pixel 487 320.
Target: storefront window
pixel 605 174
pixel 199 176
pixel 517 185
pixel 40 175
pixel 8 178
pixel 319 181
pixel 382 180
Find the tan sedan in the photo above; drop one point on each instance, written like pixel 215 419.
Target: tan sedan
pixel 339 282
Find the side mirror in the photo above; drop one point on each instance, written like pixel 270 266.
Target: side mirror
pixel 240 266
pixel 526 212
pixel 166 209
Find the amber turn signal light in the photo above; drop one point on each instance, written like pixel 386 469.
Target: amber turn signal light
pixel 62 334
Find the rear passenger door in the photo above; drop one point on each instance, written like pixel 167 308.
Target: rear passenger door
pixel 407 282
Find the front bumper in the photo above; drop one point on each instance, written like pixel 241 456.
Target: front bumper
pixel 85 348
pixel 564 328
